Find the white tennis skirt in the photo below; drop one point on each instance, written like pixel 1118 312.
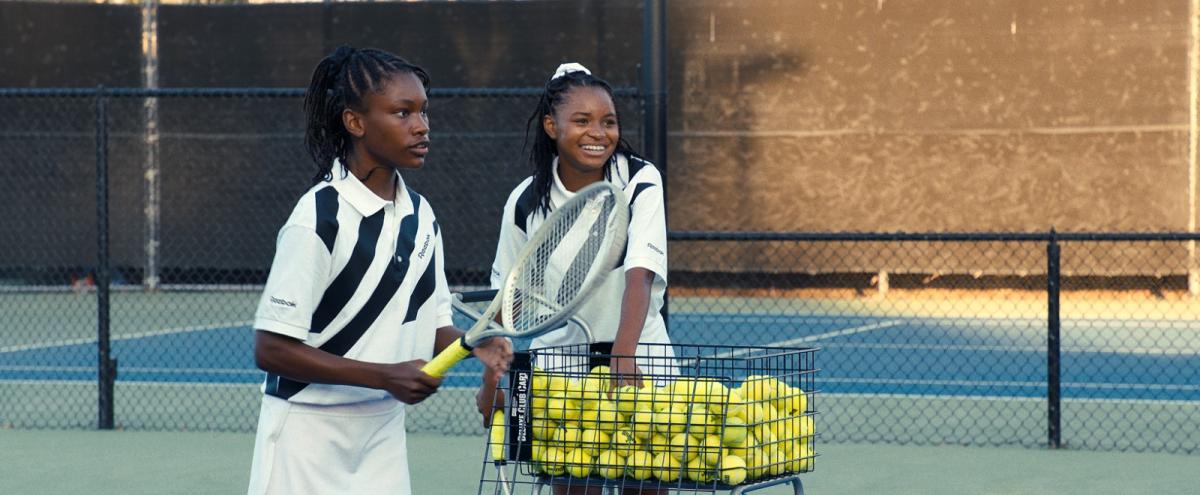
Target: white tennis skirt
pixel 352 448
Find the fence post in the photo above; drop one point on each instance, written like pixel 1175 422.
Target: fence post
pixel 654 97
pixel 1053 376
pixel 106 369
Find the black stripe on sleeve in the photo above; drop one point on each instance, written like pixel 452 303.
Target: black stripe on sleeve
pixel 526 204
pixel 638 190
pixel 327 209
pixel 343 286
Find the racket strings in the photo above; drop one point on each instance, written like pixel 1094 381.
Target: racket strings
pixel 581 235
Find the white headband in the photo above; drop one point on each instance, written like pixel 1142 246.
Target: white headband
pixel 568 68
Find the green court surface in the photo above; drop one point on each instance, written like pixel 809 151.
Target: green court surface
pixel 163 463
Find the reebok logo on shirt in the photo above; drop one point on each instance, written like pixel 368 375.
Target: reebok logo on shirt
pixel 282 302
pixel 421 253
pixel 655 249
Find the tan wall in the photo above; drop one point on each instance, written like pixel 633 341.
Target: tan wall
pixel 944 115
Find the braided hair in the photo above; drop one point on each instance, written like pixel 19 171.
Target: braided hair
pixel 339 82
pixel 543 149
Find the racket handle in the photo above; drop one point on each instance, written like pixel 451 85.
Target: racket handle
pixel 498 435
pixel 451 355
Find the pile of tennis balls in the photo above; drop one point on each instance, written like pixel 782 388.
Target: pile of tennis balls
pixel 689 429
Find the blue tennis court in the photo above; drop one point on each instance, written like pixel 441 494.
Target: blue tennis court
pixel 859 355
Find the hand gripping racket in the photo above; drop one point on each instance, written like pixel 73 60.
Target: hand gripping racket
pixel 564 261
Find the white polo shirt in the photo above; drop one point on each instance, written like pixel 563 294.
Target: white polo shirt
pixel 357 276
pixel 646 247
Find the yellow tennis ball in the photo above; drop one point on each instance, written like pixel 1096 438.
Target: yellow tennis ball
pixel 661 398
pixel 544 429
pixel 734 432
pixel 733 470
pixel 607 416
pixel 567 438
pixel 579 463
pixel 698 471
pixel 639 465
pixel 593 441
pixel 556 384
pixel 593 388
pixel 553 461
pixel 671 420
pixel 610 465
pixel 623 442
pixel 800 460
pixel 626 398
pixel 574 390
pixel 659 443
pixel 684 447
pixel 790 401
pixel 710 450
pixel 642 424
pixel 541 383
pixel 665 467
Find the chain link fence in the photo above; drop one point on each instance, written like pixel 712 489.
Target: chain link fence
pixel 1087 341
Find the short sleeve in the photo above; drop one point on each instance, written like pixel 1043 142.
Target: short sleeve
pixel 445 316
pixel 647 239
pixel 299 275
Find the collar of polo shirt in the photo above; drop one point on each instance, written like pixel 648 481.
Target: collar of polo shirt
pixel 559 193
pixel 361 198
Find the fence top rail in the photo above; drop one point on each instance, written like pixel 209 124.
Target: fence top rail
pixel 933 236
pixel 254 92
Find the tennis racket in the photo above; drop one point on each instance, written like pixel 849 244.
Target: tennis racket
pixel 566 259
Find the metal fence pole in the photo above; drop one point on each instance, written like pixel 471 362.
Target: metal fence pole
pixel 151 170
pixel 654 95
pixel 1053 376
pixel 106 367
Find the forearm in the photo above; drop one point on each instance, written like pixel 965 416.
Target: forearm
pixel 634 305
pixel 294 359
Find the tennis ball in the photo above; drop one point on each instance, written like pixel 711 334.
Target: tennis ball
pixel 758 388
pixel 574 389
pixel 556 384
pixel 733 470
pixel 623 442
pixel 567 438
pixel 541 382
pixel 698 471
pixel 579 463
pixel 736 406
pixel 665 467
pixel 790 401
pixel 660 398
pixel 607 416
pixel 684 447
pixel 593 389
pixel 642 424
pixel 658 443
pixel 711 450
pixel 734 432
pixel 671 420
pixel 626 398
pixel 593 441
pixel 639 465
pixel 553 461
pixel 610 465
pixel 800 460
pixel 498 436
pixel 544 429
pixel 700 422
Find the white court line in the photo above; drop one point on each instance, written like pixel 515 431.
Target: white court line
pixel 963 347
pixel 1006 398
pixel 140 335
pixel 802 340
pixel 978 383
